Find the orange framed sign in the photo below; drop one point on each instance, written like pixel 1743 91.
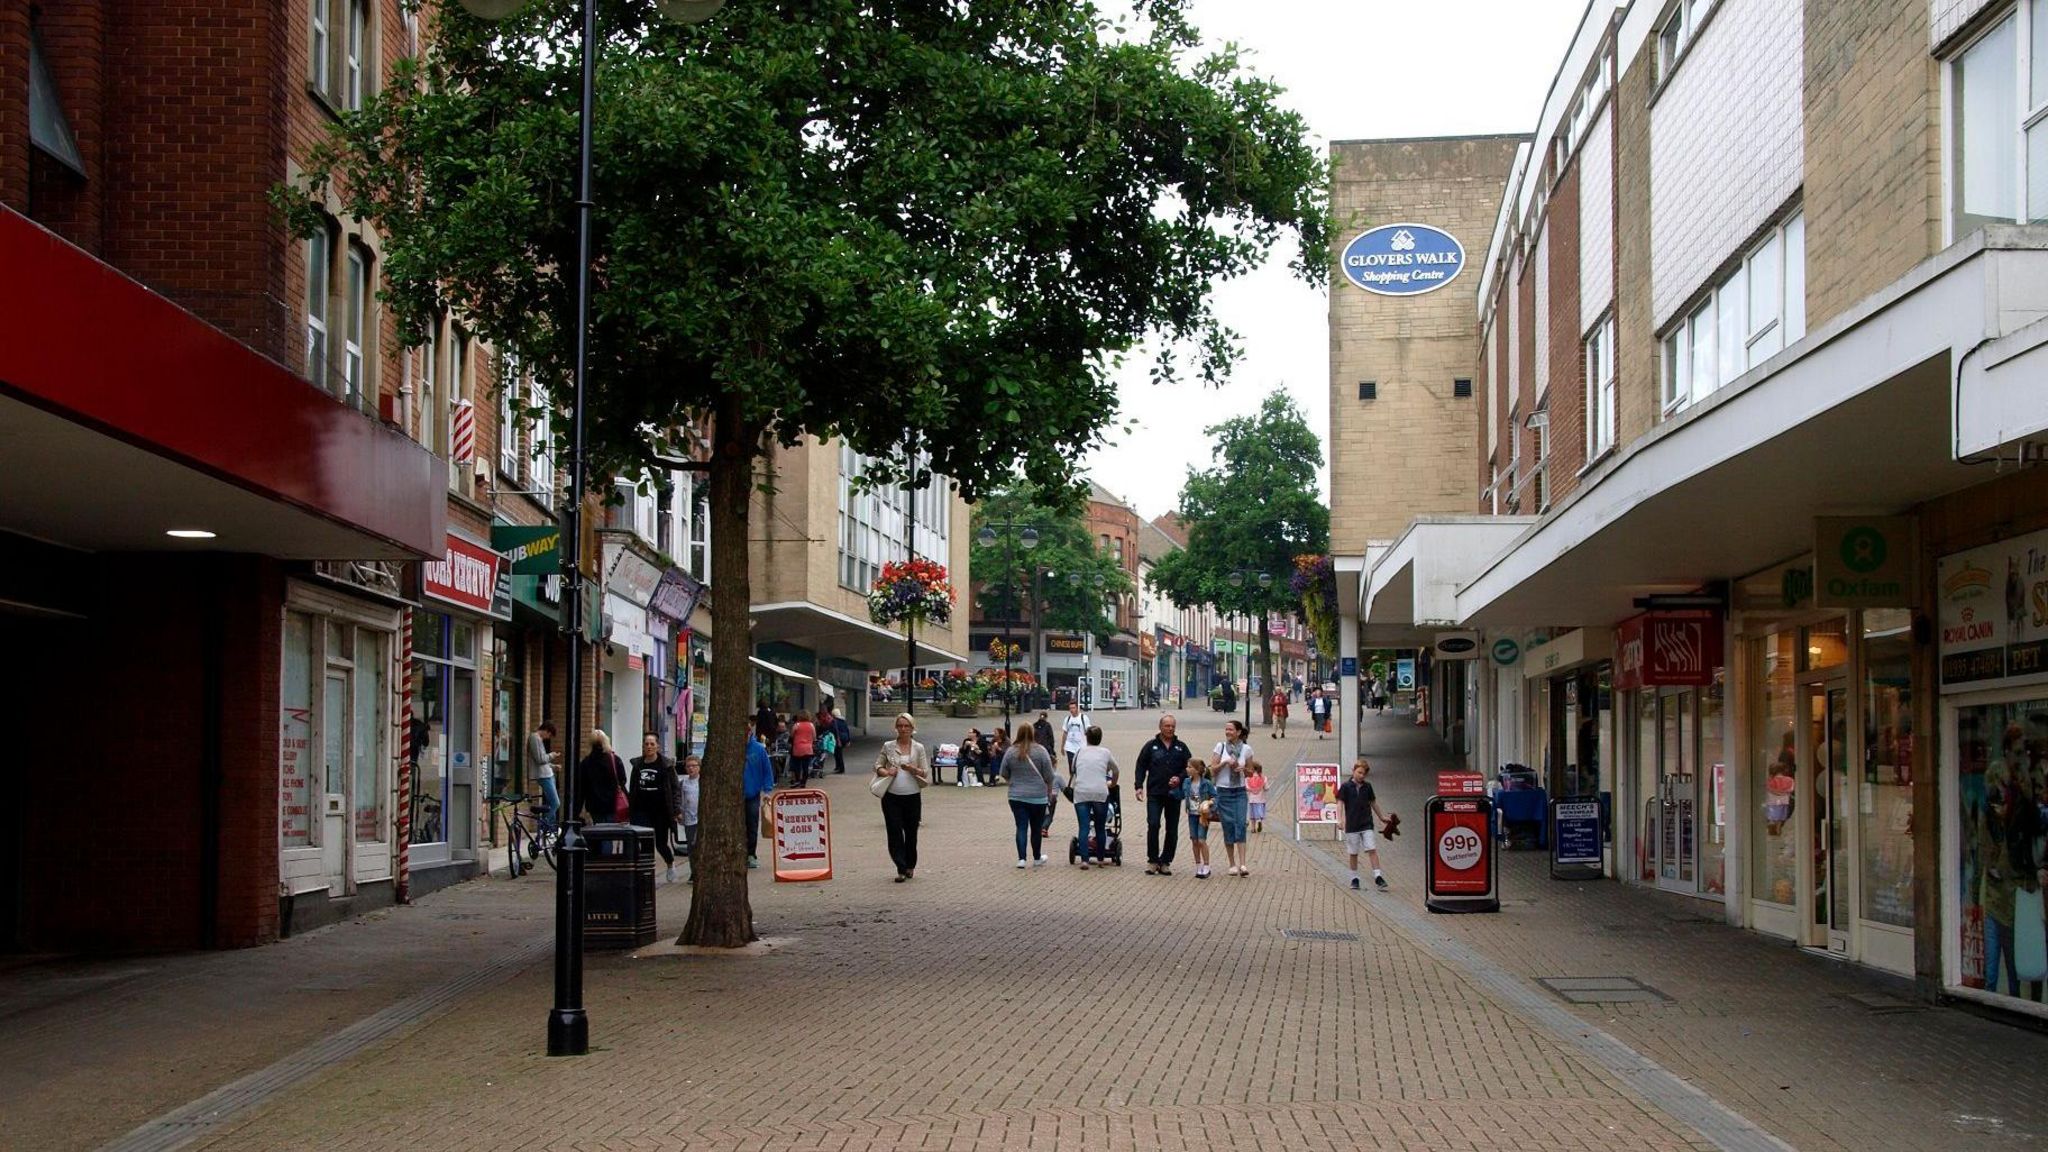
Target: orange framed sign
pixel 800 830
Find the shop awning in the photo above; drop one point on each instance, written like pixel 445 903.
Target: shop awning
pixel 778 669
pixel 833 634
pixel 1854 419
pixel 1410 590
pixel 122 417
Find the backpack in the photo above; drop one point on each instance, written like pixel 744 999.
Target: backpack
pixel 828 743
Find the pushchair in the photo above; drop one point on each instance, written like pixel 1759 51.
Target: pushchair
pixel 1114 824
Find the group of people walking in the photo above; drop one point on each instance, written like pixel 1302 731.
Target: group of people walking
pixel 651 791
pixel 1228 788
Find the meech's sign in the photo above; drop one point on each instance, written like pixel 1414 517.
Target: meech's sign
pixel 1403 259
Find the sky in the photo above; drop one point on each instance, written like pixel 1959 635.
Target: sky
pixel 1356 69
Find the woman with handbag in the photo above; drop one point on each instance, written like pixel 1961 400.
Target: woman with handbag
pixel 601 781
pixel 1028 770
pixel 901 771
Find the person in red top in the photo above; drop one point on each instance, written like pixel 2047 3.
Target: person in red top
pixel 1279 727
pixel 803 746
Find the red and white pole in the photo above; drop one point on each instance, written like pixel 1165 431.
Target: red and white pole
pixel 402 824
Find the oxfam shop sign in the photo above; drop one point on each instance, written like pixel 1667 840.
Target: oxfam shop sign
pixel 1403 259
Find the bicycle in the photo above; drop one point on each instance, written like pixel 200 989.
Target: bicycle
pixel 529 834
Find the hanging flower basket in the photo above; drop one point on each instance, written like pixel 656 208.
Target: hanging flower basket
pixel 915 590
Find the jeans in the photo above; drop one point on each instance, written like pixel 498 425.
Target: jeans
pixel 800 769
pixel 553 801
pixel 751 816
pixel 1230 811
pixel 1030 819
pixel 1095 813
pixel 1160 810
pixel 900 816
pixel 1998 946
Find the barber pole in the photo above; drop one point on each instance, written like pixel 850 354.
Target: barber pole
pixel 402 877
pixel 464 446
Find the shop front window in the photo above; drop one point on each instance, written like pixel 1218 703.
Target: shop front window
pixel 1774 770
pixel 1827 646
pixel 371 722
pixel 1885 801
pixel 1713 781
pixel 295 757
pixel 508 714
pixel 2002 765
pixel 443 727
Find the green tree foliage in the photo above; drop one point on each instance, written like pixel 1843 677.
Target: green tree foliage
pixel 1065 548
pixel 1254 511
pixel 863 220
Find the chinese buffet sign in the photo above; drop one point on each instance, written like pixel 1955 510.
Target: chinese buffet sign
pixel 1993 614
pixel 466 576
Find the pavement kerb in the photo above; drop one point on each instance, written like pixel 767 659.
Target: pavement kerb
pixel 1642 1078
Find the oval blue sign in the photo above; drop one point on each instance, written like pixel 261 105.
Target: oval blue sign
pixel 1403 259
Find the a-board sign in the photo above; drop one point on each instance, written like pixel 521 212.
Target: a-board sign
pixel 1575 839
pixel 801 832
pixel 1460 870
pixel 1315 796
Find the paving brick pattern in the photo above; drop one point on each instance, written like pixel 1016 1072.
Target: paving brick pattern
pixel 1767 1029
pixel 985 1007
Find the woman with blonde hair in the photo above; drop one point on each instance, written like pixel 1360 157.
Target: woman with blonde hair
pixel 907 766
pixel 601 781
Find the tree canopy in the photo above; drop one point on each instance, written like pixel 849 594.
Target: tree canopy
pixel 1065 549
pixel 1254 511
pixel 866 220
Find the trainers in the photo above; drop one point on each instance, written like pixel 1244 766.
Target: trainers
pixel 1354 883
pixel 1083 865
pixel 671 874
pixel 753 861
pixel 1165 871
pixel 1023 863
pixel 1380 882
pixel 1038 863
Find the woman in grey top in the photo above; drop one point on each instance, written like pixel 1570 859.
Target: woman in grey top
pixel 1028 769
pixel 1094 771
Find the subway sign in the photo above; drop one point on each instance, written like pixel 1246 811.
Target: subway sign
pixel 1403 259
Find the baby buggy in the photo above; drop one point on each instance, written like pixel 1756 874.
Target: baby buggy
pixel 1114 823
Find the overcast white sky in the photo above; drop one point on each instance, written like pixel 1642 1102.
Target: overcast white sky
pixel 1357 69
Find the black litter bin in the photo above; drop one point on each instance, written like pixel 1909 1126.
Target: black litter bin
pixel 618 886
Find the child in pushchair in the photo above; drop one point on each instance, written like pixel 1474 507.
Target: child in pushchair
pixel 1113 822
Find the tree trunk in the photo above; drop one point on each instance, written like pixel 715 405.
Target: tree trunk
pixel 721 915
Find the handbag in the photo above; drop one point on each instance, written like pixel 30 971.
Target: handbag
pixel 621 806
pixel 879 787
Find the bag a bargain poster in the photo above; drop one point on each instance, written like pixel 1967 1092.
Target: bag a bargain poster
pixel 1315 794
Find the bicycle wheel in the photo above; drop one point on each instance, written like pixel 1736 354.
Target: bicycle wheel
pixel 549 841
pixel 515 841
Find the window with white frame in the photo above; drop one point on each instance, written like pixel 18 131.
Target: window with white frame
pixel 697 561
pixel 1676 33
pixel 1539 468
pixel 1513 484
pixel 341 51
pixel 542 443
pixel 1997 162
pixel 355 50
pixel 1602 399
pixel 1747 317
pixel 317 253
pixel 320 46
pixel 511 420
pixel 355 310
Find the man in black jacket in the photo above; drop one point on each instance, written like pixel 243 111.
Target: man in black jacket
pixel 1162 765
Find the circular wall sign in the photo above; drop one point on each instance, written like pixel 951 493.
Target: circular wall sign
pixel 1403 259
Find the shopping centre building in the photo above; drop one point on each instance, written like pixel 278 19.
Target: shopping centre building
pixel 1751 536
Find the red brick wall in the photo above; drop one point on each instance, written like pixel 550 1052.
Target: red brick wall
pixel 1567 390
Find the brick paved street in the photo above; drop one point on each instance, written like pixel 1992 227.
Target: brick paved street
pixel 985 1007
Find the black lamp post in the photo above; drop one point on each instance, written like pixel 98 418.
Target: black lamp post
pixel 1264 581
pixel 568 1024
pixel 1029 538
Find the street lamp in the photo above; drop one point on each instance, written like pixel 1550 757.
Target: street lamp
pixel 568 1024
pixel 1264 581
pixel 1074 580
pixel 1029 538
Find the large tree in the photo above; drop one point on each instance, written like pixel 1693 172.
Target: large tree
pixel 864 220
pixel 1066 550
pixel 1253 511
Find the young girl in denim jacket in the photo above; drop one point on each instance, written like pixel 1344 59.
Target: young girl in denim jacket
pixel 1198 789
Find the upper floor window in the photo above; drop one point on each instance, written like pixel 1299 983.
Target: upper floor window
pixel 1756 310
pixel 512 385
pixel 318 251
pixel 697 559
pixel 1602 398
pixel 432 434
pixel 1998 124
pixel 356 309
pixel 541 476
pixel 341 55
pixel 1677 33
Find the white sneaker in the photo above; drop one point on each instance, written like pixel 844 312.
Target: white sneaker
pixel 671 874
pixel 1021 864
pixel 1038 863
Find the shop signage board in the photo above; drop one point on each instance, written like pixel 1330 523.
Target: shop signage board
pixel 1993 614
pixel 677 595
pixel 466 576
pixel 1460 784
pixel 1506 651
pixel 802 834
pixel 1675 649
pixel 1347 667
pixel 1315 796
pixel 1065 644
pixel 1460 874
pixel 1403 259
pixel 1457 646
pixel 1575 840
pixel 530 549
pixel 1863 561
pixel 1404 675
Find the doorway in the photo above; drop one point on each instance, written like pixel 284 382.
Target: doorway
pixel 1826 782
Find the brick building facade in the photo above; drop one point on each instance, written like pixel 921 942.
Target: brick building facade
pixel 1759 314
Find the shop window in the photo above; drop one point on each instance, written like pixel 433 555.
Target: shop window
pixel 1775 770
pixel 442 729
pixel 295 756
pixel 371 723
pixel 2001 749
pixel 1713 786
pixel 1885 800
pixel 1824 646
